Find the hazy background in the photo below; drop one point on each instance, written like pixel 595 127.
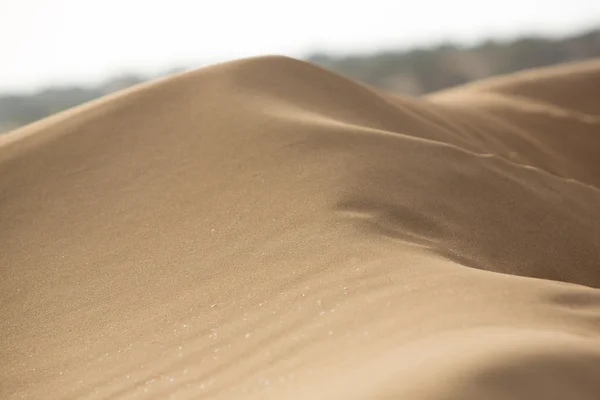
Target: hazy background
pixel 55 54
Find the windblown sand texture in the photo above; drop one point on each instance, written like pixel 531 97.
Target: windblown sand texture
pixel 265 229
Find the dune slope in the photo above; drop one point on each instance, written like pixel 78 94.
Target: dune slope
pixel 267 229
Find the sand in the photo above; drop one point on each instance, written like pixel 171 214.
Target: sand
pixel 266 229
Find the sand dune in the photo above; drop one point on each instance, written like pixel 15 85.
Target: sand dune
pixel 267 229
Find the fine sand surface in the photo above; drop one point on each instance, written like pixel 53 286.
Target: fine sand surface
pixel 265 229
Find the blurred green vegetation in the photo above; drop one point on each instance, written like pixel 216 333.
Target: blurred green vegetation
pixel 420 71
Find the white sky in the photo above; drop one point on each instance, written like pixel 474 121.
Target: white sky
pixel 46 42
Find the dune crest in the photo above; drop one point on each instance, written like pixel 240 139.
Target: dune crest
pixel 267 229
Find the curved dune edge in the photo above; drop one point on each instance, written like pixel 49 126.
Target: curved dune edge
pixel 267 229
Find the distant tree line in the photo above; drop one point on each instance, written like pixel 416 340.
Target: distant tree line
pixel 17 110
pixel 420 71
pixel 410 72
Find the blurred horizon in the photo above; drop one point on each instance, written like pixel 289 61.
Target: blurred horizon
pixel 410 72
pixel 73 43
pixel 143 74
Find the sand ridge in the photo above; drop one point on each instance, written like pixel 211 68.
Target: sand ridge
pixel 264 228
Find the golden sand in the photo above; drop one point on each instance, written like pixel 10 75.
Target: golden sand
pixel 265 229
